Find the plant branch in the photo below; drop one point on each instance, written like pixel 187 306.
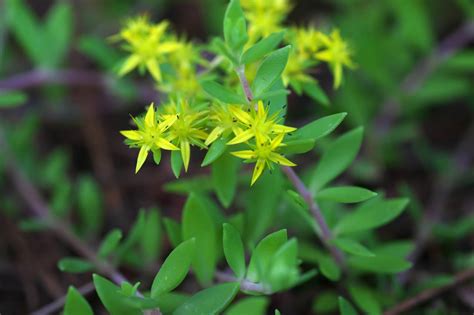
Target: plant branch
pixel 326 235
pixel 429 294
pixel 244 82
pixel 72 77
pixel 245 284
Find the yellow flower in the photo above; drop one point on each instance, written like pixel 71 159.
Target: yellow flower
pixel 264 16
pixel 147 46
pixel 149 136
pixel 188 128
pixel 307 41
pixel 296 67
pixel 337 54
pixel 257 124
pixel 264 155
pixel 223 122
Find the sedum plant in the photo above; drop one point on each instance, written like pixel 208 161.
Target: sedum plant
pixel 228 99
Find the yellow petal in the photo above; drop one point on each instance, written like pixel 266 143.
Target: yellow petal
pixel 241 137
pixel 168 121
pixel 215 133
pixel 131 134
pixel 277 141
pixel 131 63
pixel 261 111
pixel 282 128
pixel 142 155
pixel 325 55
pixel 245 154
pixel 150 116
pixel 168 47
pixel 154 68
pixel 185 153
pixel 280 159
pixel 165 144
pixel 257 171
pixel 240 114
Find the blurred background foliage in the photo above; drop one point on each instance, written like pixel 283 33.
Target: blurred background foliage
pixel 413 91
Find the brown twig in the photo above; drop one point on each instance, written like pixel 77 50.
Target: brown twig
pixel 429 294
pixel 72 77
pixel 326 235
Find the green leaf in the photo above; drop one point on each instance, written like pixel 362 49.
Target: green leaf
pixel 176 163
pixel 168 302
pixel 277 312
pixel 262 48
pixel 110 243
pixel 27 30
pixel 224 177
pixel 198 223
pixel 317 129
pixel 313 90
pixel 133 235
pixel 329 268
pixel 89 198
pixel 270 70
pixel 173 229
pixel 261 204
pixel 174 269
pixel 325 302
pixel 283 270
pixel 249 306
pixel 302 208
pixel 209 301
pixel 10 99
pixel 345 194
pixel 235 27
pixel 58 32
pixel 34 225
pixel 76 304
pixel 371 215
pixel 221 48
pixel 96 48
pixel 151 236
pixel 380 263
pixel 337 158
pixel 74 265
pixel 216 149
pixel 346 308
pixel 263 254
pixel 113 300
pixel 156 156
pixel 365 299
pixel 353 247
pixel 234 250
pixel 222 93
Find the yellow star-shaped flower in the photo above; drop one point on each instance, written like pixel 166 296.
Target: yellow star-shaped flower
pixel 256 124
pixel 149 136
pixel 264 155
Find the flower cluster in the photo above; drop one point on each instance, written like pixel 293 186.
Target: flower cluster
pixel 151 46
pixel 265 17
pixel 310 48
pixel 178 126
